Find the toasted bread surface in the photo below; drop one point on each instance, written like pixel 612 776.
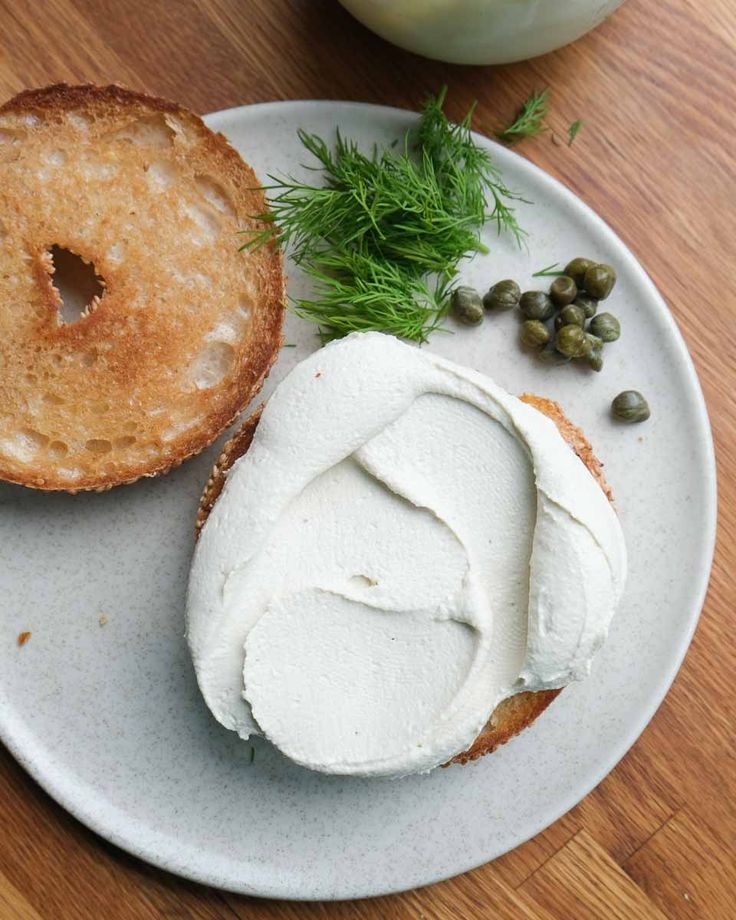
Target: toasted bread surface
pixel 186 328
pixel 516 712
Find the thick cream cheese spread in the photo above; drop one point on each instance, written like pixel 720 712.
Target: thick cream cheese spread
pixel 403 546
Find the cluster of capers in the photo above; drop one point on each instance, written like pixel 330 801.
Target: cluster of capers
pixel 554 323
pixel 564 324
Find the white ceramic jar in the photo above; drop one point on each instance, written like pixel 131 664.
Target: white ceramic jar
pixel 481 31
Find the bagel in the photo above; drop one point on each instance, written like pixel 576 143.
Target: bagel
pixel 184 327
pixel 514 713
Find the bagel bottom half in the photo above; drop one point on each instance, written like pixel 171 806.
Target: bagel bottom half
pixel 514 713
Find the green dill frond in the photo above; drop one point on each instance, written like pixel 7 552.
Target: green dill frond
pixel 530 119
pixel 572 131
pixel 550 271
pixel 381 235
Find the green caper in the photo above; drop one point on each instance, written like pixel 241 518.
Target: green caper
pixel 588 304
pixel 571 342
pixel 504 295
pixel 550 355
pixel 605 326
pixel 599 281
pixel 595 358
pixel 630 406
pixel 467 305
pixel 572 316
pixel 563 291
pixel 594 343
pixel 536 305
pixel 534 333
pixel 577 269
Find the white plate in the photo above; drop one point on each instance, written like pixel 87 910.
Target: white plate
pixel 109 719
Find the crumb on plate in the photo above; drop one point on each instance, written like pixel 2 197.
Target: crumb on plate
pixel 24 637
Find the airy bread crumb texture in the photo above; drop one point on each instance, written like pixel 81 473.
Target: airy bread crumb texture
pixel 186 327
pixel 516 712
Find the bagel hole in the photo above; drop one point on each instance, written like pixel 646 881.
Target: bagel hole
pixel 77 283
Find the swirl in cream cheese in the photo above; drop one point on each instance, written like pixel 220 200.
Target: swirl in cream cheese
pixel 403 546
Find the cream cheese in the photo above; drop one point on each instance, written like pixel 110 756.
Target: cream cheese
pixel 403 546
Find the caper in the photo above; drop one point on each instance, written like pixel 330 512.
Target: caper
pixel 595 358
pixel 571 342
pixel 588 304
pixel 563 291
pixel 594 343
pixel 536 305
pixel 550 355
pixel 534 333
pixel 630 406
pixel 577 269
pixel 599 281
pixel 504 295
pixel 572 316
pixel 605 326
pixel 467 305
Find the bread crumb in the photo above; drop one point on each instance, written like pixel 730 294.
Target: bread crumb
pixel 103 620
pixel 23 637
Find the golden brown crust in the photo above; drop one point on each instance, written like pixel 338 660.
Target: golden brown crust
pixel 187 328
pixel 235 447
pixel 512 714
pixel 573 435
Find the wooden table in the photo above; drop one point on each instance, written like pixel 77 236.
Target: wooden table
pixel 654 86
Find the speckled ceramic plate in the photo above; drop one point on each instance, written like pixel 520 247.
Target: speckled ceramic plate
pixel 109 719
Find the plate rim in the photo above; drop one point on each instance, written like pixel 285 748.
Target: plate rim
pixel 96 821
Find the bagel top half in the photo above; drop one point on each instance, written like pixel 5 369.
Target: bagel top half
pixel 184 328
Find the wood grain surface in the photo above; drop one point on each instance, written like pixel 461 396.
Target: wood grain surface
pixel 655 157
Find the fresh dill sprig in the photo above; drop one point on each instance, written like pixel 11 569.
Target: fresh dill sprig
pixel 381 238
pixel 357 292
pixel 572 131
pixel 550 271
pixel 530 119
